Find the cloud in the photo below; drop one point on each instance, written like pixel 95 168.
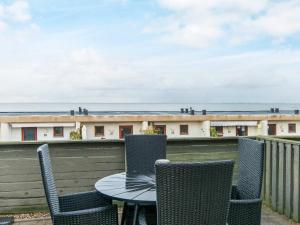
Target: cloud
pixel 86 75
pixel 16 17
pixel 18 11
pixel 201 23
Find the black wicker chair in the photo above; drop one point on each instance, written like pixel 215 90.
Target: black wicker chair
pixel 245 204
pixel 141 153
pixel 87 208
pixel 8 220
pixel 192 193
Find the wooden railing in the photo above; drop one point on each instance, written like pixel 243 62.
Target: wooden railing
pixel 78 165
pixel 281 185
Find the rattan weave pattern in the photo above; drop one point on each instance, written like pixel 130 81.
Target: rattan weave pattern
pixel 142 151
pixel 88 208
pixel 193 193
pixel 245 206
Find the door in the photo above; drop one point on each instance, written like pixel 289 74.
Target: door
pixel 123 130
pixel 29 134
pixel 219 131
pixel 272 129
pixel 241 131
pixel 161 129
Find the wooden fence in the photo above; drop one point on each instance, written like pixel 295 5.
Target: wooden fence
pixel 78 165
pixel 281 185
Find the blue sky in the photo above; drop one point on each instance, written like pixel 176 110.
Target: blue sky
pixel 149 51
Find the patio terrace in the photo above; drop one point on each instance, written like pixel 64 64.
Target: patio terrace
pixel 79 164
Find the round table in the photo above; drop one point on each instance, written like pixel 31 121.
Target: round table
pixel 135 189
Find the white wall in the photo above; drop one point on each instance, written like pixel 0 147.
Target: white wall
pixel 43 134
pixel 111 130
pixel 196 129
pixel 282 128
pixel 15 134
pixel 252 131
pixel 46 134
pixel 229 131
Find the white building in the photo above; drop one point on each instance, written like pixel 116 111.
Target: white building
pixel 53 127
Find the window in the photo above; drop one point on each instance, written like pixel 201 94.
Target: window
pixel 272 129
pixel 241 131
pixel 58 131
pixel 99 131
pixel 161 129
pixel 184 129
pixel 292 128
pixel 29 134
pixel 219 131
pixel 123 130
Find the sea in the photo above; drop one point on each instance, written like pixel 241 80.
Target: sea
pixel 142 107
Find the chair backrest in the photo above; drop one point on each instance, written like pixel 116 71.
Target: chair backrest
pixel 193 193
pixel 142 151
pixel 48 179
pixel 251 165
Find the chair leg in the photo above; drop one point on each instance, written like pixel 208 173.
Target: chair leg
pixel 124 214
pixel 135 216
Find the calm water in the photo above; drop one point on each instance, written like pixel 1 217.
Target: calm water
pixel 60 107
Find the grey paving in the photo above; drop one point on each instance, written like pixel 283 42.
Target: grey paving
pixel 268 218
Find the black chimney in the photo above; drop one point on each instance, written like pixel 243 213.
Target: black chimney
pixel 85 112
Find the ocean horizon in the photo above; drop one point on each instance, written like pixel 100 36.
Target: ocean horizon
pixel 63 107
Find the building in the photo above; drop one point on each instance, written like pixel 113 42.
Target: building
pixel 115 126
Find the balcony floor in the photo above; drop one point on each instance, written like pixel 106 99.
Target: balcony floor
pixel 268 218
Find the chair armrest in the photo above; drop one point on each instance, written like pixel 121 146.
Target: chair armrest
pixel 245 211
pixel 81 201
pixel 234 192
pixel 142 217
pixel 102 215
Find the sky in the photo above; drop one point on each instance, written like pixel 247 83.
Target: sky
pixel 171 51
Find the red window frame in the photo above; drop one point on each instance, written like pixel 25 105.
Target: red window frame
pixel 237 128
pixel 164 128
pixel 292 128
pixel 35 133
pixel 61 135
pixel 183 126
pixel 125 126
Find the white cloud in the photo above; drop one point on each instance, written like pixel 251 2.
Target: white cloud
pixel 281 19
pixel 88 76
pixel 18 11
pixel 200 23
pixel 16 18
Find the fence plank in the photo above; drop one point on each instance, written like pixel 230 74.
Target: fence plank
pixel 281 178
pixel 288 180
pixel 274 189
pixel 268 173
pixel 296 186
